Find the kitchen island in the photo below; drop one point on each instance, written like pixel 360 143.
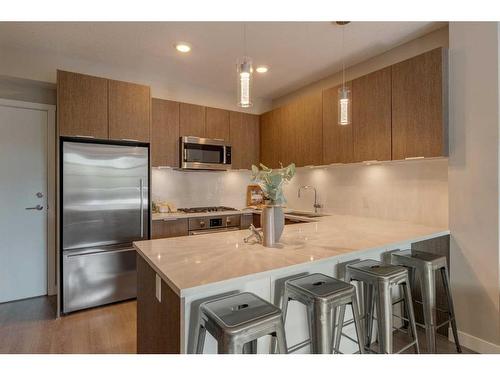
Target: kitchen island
pixel 176 274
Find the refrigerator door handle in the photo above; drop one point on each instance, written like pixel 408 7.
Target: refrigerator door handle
pixel 81 254
pixel 141 191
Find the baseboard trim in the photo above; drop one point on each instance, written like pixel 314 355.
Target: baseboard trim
pixel 475 343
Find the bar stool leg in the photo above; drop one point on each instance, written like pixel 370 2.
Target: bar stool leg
pixel 338 330
pixel 321 328
pixel 281 340
pixel 451 310
pixel 357 324
pixel 284 308
pixel 250 347
pixel 232 347
pixel 384 317
pixel 369 306
pixel 200 343
pixel 428 286
pixel 411 314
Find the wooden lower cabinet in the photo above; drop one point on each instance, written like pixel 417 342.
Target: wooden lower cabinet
pixel 158 322
pixel 169 228
pixel 246 220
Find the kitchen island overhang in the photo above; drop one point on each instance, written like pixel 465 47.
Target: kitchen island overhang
pixel 176 274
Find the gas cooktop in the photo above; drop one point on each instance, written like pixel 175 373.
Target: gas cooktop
pixel 206 209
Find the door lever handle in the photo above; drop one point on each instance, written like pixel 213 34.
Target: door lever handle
pixel 38 207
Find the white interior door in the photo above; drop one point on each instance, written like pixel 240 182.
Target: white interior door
pixel 23 202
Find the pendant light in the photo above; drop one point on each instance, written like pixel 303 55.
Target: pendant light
pixel 244 72
pixel 344 94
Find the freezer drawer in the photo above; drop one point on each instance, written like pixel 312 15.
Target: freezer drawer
pixel 97 276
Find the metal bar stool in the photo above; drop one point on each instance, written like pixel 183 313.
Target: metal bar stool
pixel 423 266
pixel 378 280
pixel 237 321
pixel 322 295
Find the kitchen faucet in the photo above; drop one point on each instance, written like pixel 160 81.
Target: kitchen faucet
pixel 315 205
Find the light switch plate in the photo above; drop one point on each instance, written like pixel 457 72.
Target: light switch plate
pixel 158 288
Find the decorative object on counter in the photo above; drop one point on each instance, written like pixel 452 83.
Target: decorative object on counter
pixel 163 207
pixel 255 196
pixel 271 182
pixel 256 233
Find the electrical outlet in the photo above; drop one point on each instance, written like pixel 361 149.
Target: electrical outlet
pixel 158 288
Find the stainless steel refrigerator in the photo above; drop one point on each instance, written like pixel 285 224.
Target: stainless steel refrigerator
pixel 104 207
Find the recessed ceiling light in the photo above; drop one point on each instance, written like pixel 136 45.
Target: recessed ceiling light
pixel 262 69
pixel 183 47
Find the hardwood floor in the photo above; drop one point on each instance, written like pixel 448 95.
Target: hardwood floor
pixel 29 326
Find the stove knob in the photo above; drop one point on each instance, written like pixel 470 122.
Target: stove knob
pixel 202 223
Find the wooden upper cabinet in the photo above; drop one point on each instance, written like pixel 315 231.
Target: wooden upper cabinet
pixel 271 141
pixel 245 139
pixel 418 106
pixel 308 131
pixel 129 111
pixel 371 116
pixel 165 133
pixel 192 120
pixel 217 123
pixel 337 139
pixel 82 105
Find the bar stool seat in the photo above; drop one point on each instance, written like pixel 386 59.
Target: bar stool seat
pixel 322 295
pixel 378 280
pixel 237 321
pixel 424 265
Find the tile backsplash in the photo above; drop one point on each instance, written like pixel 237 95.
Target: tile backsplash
pixel 415 191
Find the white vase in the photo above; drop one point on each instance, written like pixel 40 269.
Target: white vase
pixel 273 222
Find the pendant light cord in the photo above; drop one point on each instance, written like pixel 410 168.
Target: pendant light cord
pixel 343 60
pixel 245 39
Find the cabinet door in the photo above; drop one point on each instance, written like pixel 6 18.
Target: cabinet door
pixel 192 120
pixel 165 133
pixel 418 124
pixel 82 105
pixel 169 228
pixel 308 131
pixel 129 111
pixel 244 139
pixel 217 123
pixel 337 139
pixel 271 142
pixel 371 116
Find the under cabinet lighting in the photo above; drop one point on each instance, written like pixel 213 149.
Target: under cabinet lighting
pixel 414 158
pixel 371 162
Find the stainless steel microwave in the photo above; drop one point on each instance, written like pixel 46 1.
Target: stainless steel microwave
pixel 204 153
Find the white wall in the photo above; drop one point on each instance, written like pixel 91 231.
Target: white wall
pixel 42 66
pixel 415 191
pixel 473 182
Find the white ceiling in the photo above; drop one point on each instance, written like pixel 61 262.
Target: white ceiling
pixel 297 53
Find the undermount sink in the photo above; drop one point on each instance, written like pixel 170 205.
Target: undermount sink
pixel 304 214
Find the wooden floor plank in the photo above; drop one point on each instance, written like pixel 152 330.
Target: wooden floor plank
pixel 29 326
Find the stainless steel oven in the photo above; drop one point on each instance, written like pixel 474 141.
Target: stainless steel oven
pixel 204 153
pixel 213 224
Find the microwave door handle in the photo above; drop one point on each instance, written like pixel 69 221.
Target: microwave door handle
pixel 141 199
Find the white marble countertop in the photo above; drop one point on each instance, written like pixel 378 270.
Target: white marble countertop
pixel 192 261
